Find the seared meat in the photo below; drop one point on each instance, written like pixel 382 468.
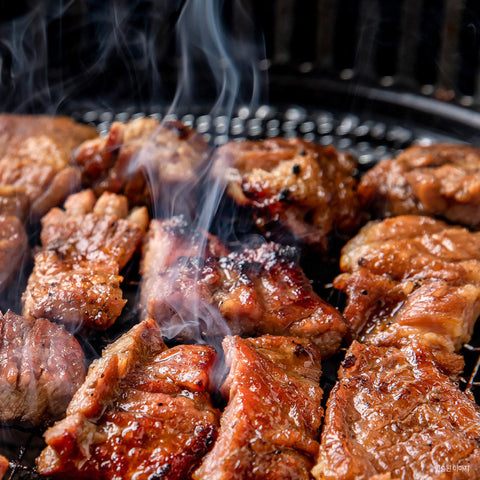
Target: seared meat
pixel 143 412
pixel 140 153
pixel 3 465
pixel 76 278
pixel 394 415
pixel 41 367
pixel 412 277
pixel 441 180
pixel 292 186
pixel 34 160
pixel 13 248
pixel 190 275
pixel 269 428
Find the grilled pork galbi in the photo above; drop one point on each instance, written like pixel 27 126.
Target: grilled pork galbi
pixel 189 274
pixel 394 414
pixel 439 180
pixel 76 278
pixel 269 428
pixel 143 412
pixel 412 278
pixel 295 189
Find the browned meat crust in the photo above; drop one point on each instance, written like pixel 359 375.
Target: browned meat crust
pixel 35 152
pixel 269 428
pixel 41 367
pixel 3 466
pixel 143 412
pixel 141 152
pixel 292 186
pixel 394 415
pixel 412 277
pixel 189 275
pixel 13 248
pixel 76 278
pixel 441 180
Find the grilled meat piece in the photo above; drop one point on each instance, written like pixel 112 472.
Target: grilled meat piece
pixel 3 466
pixel 76 278
pixel 13 248
pixel 412 277
pixel 141 156
pixel 41 367
pixel 440 180
pixel 35 152
pixel 143 412
pixel 269 428
pixel 292 186
pixel 394 415
pixel 189 275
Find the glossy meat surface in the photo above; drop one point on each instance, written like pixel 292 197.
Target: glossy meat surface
pixel 269 428
pixel 143 412
pixel 189 275
pixel 412 277
pixel 440 180
pixel 76 278
pixel 13 248
pixel 141 153
pixel 394 415
pixel 41 367
pixel 35 152
pixel 292 186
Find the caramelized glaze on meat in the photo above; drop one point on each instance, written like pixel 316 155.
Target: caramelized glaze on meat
pixel 292 186
pixel 143 412
pixel 13 248
pixel 269 428
pixel 35 151
pixel 441 180
pixel 76 278
pixel 394 415
pixel 412 277
pixel 141 152
pixel 188 275
pixel 41 367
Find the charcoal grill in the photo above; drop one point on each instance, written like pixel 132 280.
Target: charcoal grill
pixel 369 77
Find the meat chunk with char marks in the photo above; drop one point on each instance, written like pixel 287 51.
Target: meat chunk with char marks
pixel 293 187
pixel 269 428
pixel 395 415
pixel 35 152
pixel 439 180
pixel 143 159
pixel 76 277
pixel 412 277
pixel 41 367
pixel 143 412
pixel 13 248
pixel 188 274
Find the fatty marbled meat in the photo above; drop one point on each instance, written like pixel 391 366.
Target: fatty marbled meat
pixel 394 414
pixel 269 429
pixel 293 187
pixel 189 275
pixel 143 159
pixel 143 412
pixel 412 277
pixel 35 151
pixel 439 180
pixel 41 367
pixel 75 279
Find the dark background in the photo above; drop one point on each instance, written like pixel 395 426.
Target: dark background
pixel 58 53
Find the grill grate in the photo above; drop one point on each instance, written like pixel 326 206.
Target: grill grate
pixel 369 137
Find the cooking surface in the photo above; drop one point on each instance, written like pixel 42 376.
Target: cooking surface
pixel 370 137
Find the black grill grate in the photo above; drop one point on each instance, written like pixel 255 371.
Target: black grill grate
pixel 368 137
